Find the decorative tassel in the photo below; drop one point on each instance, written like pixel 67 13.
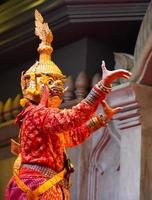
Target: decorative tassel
pixel 45 96
pixel 23 102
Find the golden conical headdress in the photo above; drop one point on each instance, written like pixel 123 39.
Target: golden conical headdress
pixel 45 64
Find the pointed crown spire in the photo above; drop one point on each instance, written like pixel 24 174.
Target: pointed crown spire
pixel 45 65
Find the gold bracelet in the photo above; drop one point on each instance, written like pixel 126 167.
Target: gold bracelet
pixel 95 123
pixel 104 88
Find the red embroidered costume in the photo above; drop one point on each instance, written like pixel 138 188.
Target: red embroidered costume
pixel 42 169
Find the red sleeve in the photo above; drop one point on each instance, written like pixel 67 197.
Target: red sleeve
pixel 76 136
pixel 80 134
pixel 57 120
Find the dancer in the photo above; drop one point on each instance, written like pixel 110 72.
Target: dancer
pixel 42 168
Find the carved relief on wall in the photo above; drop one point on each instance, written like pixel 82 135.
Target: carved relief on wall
pixel 105 159
pixel 103 169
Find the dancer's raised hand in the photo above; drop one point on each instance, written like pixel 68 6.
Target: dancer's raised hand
pixel 109 76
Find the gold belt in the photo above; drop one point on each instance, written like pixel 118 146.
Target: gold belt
pixel 39 168
pixel 34 195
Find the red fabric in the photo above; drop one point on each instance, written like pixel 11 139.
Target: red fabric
pixel 43 136
pixel 76 136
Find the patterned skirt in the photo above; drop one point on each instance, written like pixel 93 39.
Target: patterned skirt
pixel 33 180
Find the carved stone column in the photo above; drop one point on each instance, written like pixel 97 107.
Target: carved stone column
pixel 120 160
pixel 134 125
pixel 128 125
